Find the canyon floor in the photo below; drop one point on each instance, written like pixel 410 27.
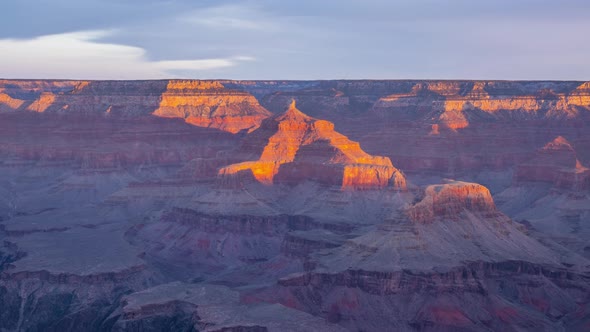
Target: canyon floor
pixel 185 205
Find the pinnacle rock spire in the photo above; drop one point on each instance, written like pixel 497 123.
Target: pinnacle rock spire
pixel 293 112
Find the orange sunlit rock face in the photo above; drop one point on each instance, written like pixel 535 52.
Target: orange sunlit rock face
pixel 42 104
pixel 579 97
pixel 371 176
pixel 450 200
pixel 264 172
pixel 199 103
pixel 452 103
pixel 8 103
pixel 209 104
pixel 304 148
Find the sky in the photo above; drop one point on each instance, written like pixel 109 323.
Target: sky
pixel 295 39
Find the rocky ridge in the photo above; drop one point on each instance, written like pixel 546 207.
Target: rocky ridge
pixel 301 147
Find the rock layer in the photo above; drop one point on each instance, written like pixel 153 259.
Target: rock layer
pixel 209 104
pixel 303 148
pixel 507 296
pixel 200 103
pixel 556 163
pixel 450 200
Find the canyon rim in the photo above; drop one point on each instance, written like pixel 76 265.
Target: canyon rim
pixel 294 205
pixel 294 166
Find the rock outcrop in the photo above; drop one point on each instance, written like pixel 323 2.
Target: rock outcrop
pixel 303 148
pixel 444 126
pixel 505 296
pixel 556 163
pixel 188 307
pixel 450 200
pixel 424 263
pixel 453 223
pixel 199 103
pixel 209 104
pixel 453 103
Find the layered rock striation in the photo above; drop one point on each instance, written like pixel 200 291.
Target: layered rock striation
pixel 556 163
pixel 210 104
pixel 450 200
pixel 301 148
pixel 455 104
pixel 417 270
pixel 200 103
pixel 507 296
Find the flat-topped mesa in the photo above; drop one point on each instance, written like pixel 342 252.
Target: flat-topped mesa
pixel 448 201
pixel 301 148
pixel 209 104
pixel 556 163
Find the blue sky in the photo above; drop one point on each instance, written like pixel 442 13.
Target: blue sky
pixel 288 39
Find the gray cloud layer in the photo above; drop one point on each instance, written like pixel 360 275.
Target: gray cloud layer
pixel 304 39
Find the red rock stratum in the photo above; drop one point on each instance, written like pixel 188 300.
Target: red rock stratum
pixel 301 147
pixel 450 200
pixel 199 103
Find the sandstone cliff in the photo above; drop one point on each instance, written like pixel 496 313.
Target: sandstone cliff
pixel 200 103
pixel 451 247
pixel 304 148
pixel 450 200
pixel 209 104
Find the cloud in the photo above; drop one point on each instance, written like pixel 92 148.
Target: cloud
pixel 82 54
pixel 204 64
pixel 229 17
pixel 296 39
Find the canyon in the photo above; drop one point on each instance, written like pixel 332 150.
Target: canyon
pixel 345 205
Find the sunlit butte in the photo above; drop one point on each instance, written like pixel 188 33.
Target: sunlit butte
pixel 293 132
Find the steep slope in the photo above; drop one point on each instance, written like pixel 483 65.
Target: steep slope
pixel 445 126
pixel 556 163
pixel 455 103
pixel 454 222
pixel 304 148
pixel 396 97
pixel 8 103
pixel 200 103
pixel 209 104
pixel 449 200
pixel 418 270
pixel 550 194
pixel 189 307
